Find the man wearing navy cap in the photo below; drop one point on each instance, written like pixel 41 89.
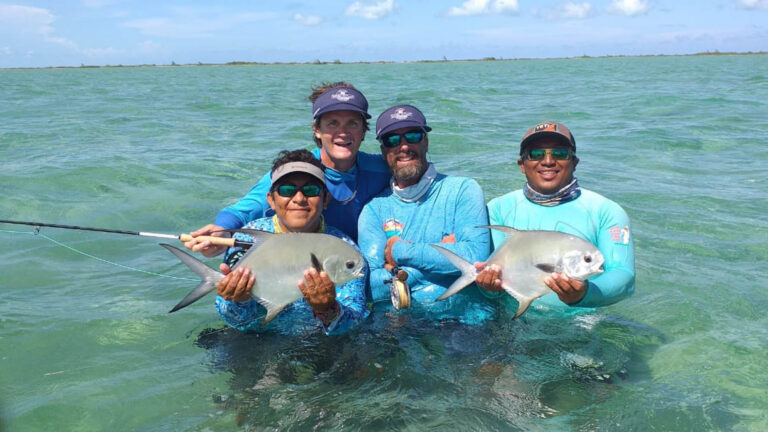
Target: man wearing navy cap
pixel 422 207
pixel 340 120
pixel 552 200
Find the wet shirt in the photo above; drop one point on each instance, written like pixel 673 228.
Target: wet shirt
pixel 592 217
pixel 349 192
pixel 297 317
pixel 452 205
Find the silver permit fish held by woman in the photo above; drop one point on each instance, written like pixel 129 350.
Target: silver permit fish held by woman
pixel 526 258
pixel 279 261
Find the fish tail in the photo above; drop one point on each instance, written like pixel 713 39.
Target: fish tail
pixel 468 272
pixel 209 277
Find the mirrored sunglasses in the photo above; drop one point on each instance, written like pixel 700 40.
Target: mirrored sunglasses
pixel 412 137
pixel 559 154
pixel 289 191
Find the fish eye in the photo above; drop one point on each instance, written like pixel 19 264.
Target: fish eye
pixel 350 264
pixel 588 259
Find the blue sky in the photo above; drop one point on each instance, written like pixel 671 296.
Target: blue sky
pixel 112 32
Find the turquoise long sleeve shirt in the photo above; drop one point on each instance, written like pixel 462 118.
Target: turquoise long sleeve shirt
pixel 452 205
pixel 297 317
pixel 592 217
pixel 349 192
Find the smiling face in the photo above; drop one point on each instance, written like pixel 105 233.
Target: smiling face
pixel 298 213
pixel 340 134
pixel 548 175
pixel 407 162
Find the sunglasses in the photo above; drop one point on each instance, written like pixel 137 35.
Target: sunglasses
pixel 412 137
pixel 558 154
pixel 289 191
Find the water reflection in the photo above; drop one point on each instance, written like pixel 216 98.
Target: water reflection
pixel 399 372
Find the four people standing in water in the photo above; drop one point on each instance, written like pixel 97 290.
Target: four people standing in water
pixel 404 205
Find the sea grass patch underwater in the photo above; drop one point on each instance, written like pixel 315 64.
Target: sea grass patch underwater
pixel 679 142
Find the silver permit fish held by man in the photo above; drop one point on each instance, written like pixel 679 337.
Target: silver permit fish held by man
pixel 526 258
pixel 278 261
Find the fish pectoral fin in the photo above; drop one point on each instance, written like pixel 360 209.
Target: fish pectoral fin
pixel 316 262
pixel 547 268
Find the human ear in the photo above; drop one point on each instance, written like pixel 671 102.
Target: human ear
pixel 271 201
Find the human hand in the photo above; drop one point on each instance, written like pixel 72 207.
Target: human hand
pixel 318 290
pixel 236 285
pixel 488 277
pixel 569 290
pixel 205 246
pixel 388 251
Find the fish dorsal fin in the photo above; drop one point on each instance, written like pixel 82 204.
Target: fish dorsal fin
pixel 567 228
pixel 258 236
pixel 508 231
pixel 316 262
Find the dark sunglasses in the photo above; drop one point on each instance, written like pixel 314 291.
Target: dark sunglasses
pixel 289 191
pixel 558 154
pixel 412 137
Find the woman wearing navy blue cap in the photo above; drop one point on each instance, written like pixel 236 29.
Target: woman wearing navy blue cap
pixel 340 120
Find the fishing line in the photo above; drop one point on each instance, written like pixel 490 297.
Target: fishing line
pixel 36 232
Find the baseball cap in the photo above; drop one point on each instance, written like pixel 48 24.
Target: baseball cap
pixel 398 117
pixel 340 99
pixel 294 167
pixel 549 129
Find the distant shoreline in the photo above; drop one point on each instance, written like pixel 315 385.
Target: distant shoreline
pixel 339 62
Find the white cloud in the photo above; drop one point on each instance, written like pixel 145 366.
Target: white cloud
pixel 576 10
pixel 372 12
pixel 628 7
pixel 26 19
pixel 482 7
pixel 31 21
pixel 753 4
pixel 309 20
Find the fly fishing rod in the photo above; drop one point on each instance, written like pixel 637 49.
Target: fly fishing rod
pixel 183 237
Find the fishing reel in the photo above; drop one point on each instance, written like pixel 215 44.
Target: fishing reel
pixel 399 291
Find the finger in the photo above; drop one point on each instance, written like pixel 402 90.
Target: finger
pixel 479 266
pixel 224 269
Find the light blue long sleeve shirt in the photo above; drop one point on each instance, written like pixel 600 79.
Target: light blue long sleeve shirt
pixel 368 177
pixel 592 217
pixel 452 205
pixel 297 317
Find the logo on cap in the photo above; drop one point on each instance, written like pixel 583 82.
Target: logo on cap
pixel 401 114
pixel 343 96
pixel 545 126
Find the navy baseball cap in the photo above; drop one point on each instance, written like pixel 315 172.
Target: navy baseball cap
pixel 340 99
pixel 398 117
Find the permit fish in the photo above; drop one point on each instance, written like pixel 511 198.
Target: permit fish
pixel 278 261
pixel 526 258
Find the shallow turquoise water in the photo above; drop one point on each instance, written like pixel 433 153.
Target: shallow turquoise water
pixel 680 142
